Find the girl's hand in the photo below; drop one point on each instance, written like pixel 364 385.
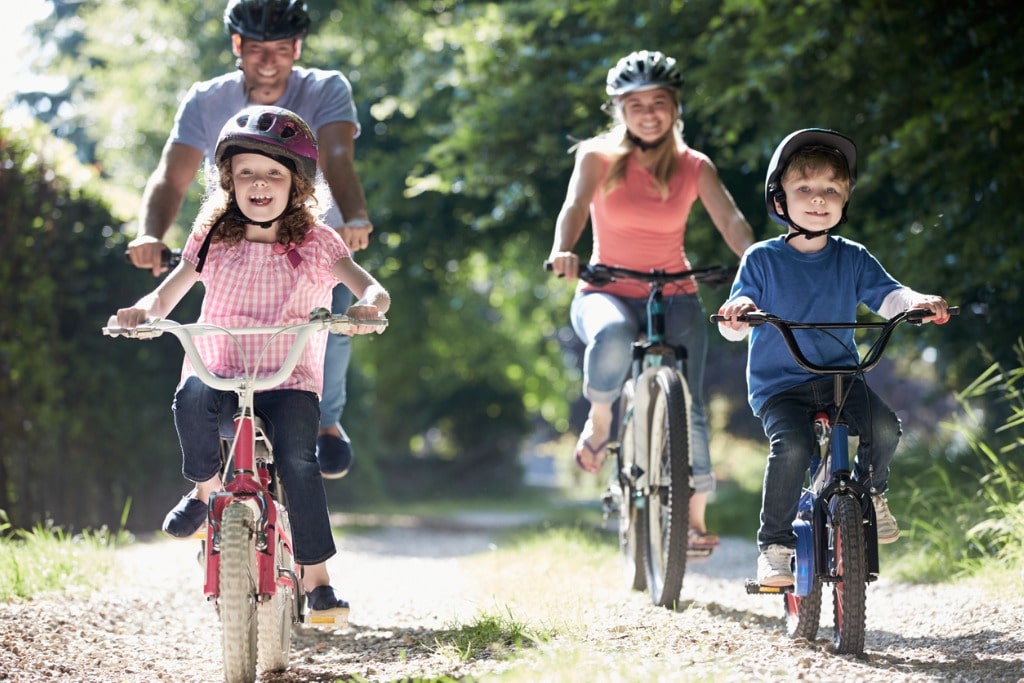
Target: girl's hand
pixel 130 317
pixel 358 311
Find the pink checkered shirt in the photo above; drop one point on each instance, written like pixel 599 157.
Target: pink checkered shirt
pixel 254 285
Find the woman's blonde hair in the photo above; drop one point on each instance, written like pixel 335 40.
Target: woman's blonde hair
pixel 216 210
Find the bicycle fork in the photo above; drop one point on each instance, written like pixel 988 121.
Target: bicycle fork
pixel 249 485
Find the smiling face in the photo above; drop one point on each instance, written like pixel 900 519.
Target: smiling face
pixel 649 114
pixel 262 186
pixel 814 197
pixel 266 66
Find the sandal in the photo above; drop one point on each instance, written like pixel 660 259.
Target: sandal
pixel 702 540
pixel 596 455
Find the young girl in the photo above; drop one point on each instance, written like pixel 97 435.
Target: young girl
pixel 636 183
pixel 264 261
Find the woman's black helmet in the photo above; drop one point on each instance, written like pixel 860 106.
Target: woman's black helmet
pixel 643 70
pixel 266 20
pixel 790 144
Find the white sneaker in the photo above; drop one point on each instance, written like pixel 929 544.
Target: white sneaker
pixel 885 523
pixel 775 566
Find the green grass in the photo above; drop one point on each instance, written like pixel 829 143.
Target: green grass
pixel 45 559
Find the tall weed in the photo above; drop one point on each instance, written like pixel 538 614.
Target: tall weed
pixel 965 508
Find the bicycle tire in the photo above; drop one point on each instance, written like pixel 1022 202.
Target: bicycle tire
pixel 274 616
pixel 629 545
pixel 668 507
pixel 803 615
pixel 850 566
pixel 237 600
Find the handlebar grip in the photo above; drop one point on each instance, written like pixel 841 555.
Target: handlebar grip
pixel 754 318
pixel 169 258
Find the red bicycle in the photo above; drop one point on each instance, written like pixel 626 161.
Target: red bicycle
pixel 251 575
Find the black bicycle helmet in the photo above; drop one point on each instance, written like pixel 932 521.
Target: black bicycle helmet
pixel 272 131
pixel 266 20
pixel 780 160
pixel 643 70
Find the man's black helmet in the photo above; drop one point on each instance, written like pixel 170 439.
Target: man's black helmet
pixel 266 20
pixel 643 70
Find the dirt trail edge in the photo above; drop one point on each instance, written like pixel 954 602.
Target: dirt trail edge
pixel 407 581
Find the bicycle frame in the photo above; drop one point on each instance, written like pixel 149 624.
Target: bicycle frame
pixel 251 476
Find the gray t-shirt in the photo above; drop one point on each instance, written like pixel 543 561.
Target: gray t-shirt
pixel 319 97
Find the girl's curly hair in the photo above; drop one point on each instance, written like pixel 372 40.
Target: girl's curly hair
pixel 219 210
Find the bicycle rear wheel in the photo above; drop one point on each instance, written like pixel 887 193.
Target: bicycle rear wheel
pixel 629 546
pixel 274 616
pixel 803 613
pixel 668 507
pixel 237 600
pixel 850 566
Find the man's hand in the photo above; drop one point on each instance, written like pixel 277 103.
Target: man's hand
pixel 356 233
pixel 145 251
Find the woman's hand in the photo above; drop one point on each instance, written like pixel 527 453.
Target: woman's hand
pixel 565 264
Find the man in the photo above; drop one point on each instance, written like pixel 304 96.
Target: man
pixel 266 36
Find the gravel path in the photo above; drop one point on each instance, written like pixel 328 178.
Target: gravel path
pixel 407 582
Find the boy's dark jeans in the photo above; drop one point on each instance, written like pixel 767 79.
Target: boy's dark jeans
pixel 788 417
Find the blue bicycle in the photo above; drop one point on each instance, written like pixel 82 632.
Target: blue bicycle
pixel 837 541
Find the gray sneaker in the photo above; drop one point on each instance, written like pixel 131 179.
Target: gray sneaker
pixel 888 529
pixel 775 566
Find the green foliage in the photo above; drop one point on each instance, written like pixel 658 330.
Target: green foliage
pixel 70 419
pixel 966 506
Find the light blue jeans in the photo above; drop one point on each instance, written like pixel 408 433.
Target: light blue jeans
pixel 339 352
pixel 609 325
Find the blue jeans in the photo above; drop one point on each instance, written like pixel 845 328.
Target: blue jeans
pixel 291 420
pixel 788 418
pixel 339 352
pixel 609 325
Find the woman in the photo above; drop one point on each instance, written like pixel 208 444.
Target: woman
pixel 636 183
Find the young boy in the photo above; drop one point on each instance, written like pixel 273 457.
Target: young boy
pixel 811 276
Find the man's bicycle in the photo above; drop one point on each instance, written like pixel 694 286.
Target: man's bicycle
pixel 651 485
pixel 251 575
pixel 835 526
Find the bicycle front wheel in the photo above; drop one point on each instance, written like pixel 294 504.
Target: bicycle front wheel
pixel 237 600
pixel 629 514
pixel 274 616
pixel 850 567
pixel 668 507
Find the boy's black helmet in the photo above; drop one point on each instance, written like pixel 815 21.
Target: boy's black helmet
pixel 643 70
pixel 789 145
pixel 266 20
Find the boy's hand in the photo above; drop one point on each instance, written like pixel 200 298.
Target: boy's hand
pixel 731 310
pixel 937 305
pixel 731 328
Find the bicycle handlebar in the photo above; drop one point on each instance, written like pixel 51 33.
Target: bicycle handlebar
pixel 914 316
pixel 599 274
pixel 169 258
pixel 319 320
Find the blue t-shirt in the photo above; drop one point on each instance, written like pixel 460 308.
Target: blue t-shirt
pixel 319 97
pixel 826 286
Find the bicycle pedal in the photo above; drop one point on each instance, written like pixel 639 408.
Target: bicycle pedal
pixel 754 588
pixel 699 553
pixel 327 619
